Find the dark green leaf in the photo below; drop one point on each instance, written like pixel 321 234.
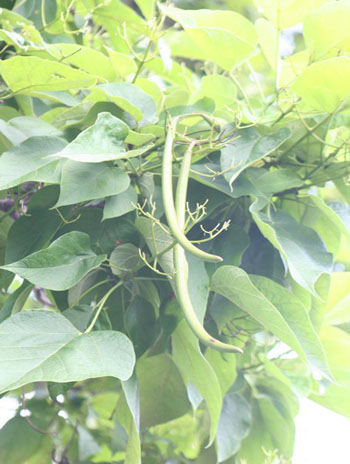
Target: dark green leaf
pixel 124 258
pixel 118 205
pixel 196 369
pixel 18 441
pixel 131 99
pixel 140 323
pixel 162 392
pixel 303 249
pixel 40 345
pixel 87 181
pixel 294 313
pixel 235 285
pixel 234 425
pixel 29 161
pixel 104 141
pixel 247 148
pixel 60 266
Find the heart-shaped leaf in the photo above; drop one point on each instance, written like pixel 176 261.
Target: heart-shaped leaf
pixel 41 345
pixel 60 266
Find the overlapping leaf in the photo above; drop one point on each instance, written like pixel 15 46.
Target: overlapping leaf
pixel 38 166
pixel 60 266
pixel 43 345
pixel 302 248
pixel 274 308
pixel 248 147
pixel 224 37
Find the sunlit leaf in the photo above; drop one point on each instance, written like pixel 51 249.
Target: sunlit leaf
pixel 225 37
pixel 28 74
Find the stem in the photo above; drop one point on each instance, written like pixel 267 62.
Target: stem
pixel 307 133
pixel 142 62
pixel 101 305
pixel 101 282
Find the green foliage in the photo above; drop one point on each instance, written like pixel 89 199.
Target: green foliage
pixel 97 295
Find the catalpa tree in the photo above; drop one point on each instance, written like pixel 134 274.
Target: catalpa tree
pixel 174 241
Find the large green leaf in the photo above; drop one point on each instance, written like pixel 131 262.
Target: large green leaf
pixel 315 213
pixel 41 345
pixel 219 88
pixel 247 148
pixel 34 127
pixel 162 391
pixel 146 7
pixel 326 28
pixel 235 285
pixel 89 181
pixel 286 13
pixel 29 161
pixel 258 443
pixel 84 58
pixel 60 266
pixel 124 259
pixel 103 141
pixel 337 395
pixel 268 36
pixel 128 413
pixel 305 253
pixel 337 310
pixel 31 233
pixel 28 74
pixel 129 97
pixel 123 64
pixel 117 205
pixel 224 37
pixel 196 370
pixel 140 322
pixel 224 366
pixel 234 425
pixel 294 313
pixel 332 78
pixel 279 424
pixel 18 441
pixel 198 285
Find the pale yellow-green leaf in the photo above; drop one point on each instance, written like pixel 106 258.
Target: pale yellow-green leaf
pixel 286 13
pixel 147 7
pixel 151 88
pixel 328 28
pixel 292 66
pixel 224 37
pixel 337 395
pixel 123 64
pixel 220 88
pixel 324 85
pixel 338 301
pixel 85 58
pixel 268 41
pixel 27 74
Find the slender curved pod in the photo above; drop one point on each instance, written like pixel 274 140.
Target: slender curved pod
pixel 181 266
pixel 168 198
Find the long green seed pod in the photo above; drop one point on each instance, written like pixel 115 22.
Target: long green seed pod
pixel 168 201
pixel 181 266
